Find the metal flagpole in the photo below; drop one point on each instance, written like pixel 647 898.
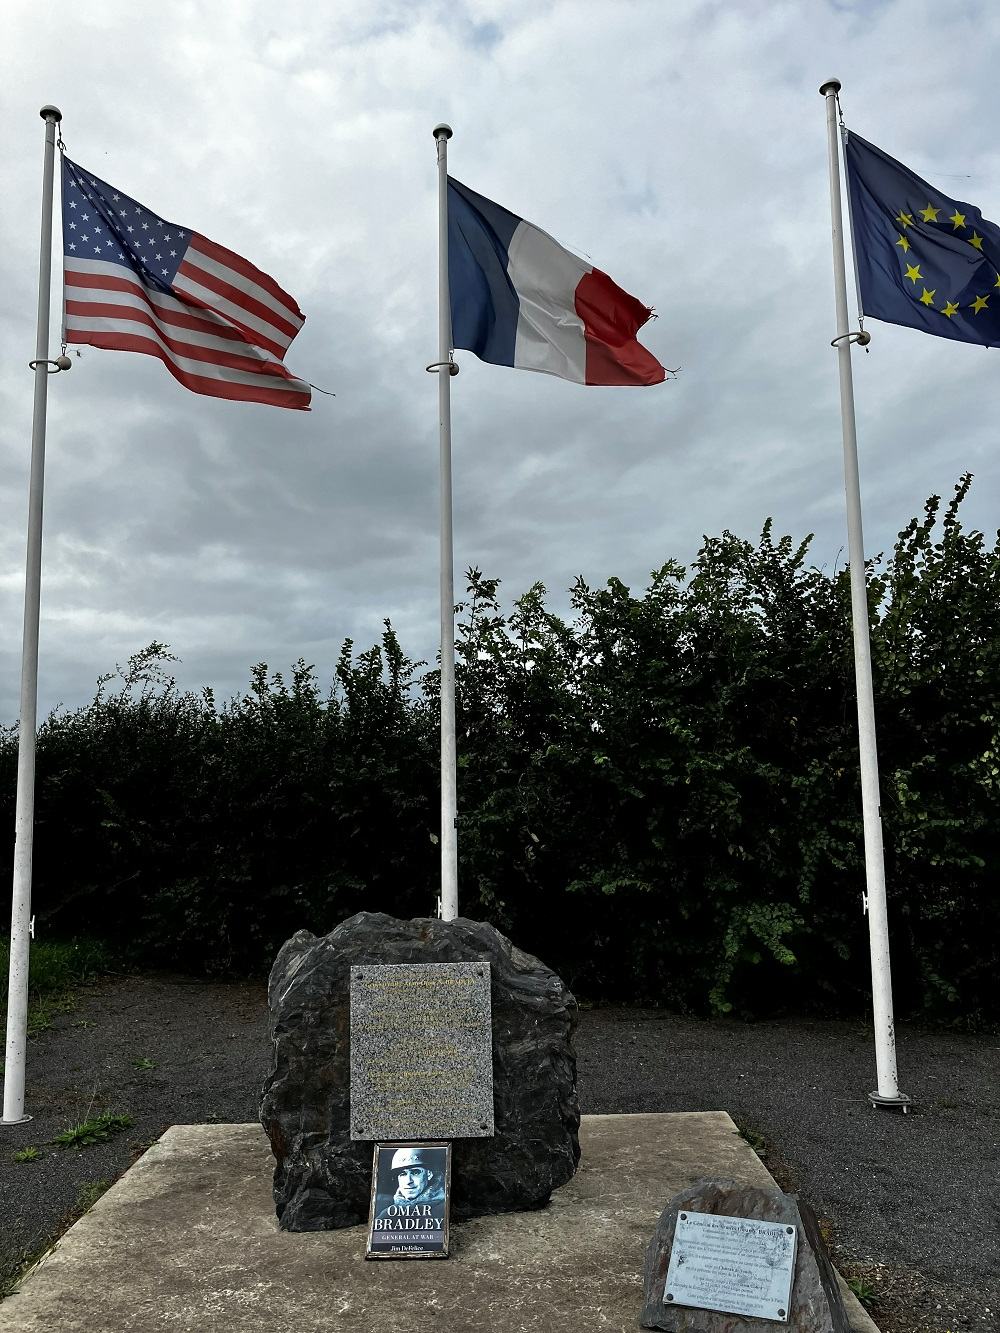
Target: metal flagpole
pixel 21 920
pixel 445 368
pixel 887 1093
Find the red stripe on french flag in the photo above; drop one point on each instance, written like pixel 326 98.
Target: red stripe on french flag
pixel 611 320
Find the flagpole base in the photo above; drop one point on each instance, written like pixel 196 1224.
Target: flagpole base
pixel 21 1120
pixel 901 1102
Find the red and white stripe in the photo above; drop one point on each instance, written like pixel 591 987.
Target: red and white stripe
pixel 574 321
pixel 223 334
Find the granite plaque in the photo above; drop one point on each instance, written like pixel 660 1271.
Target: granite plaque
pixel 739 1265
pixel 421 1051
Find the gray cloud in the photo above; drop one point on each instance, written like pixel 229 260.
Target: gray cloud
pixel 682 148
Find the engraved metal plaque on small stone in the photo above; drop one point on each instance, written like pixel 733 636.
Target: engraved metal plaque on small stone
pixel 739 1265
pixel 421 1051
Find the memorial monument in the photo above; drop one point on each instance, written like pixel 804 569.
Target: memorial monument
pixel 732 1258
pixel 423 1029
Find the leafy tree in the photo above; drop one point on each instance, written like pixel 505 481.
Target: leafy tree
pixel 658 794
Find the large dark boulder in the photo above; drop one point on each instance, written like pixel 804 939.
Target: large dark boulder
pixel 322 1180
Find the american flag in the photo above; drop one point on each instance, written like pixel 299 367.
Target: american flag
pixel 137 283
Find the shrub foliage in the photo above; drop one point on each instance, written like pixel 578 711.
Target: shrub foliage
pixel 658 794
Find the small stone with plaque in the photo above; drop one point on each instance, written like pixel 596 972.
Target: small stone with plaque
pixel 733 1258
pixel 740 1265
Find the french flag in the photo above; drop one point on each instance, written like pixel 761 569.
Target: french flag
pixel 519 299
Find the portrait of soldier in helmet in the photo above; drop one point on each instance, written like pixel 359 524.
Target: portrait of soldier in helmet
pixel 409 1216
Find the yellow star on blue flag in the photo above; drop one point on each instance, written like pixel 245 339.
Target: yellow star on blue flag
pixel 905 230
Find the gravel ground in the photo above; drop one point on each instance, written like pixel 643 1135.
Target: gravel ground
pixel 909 1202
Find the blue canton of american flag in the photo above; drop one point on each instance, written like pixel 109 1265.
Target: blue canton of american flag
pixel 137 283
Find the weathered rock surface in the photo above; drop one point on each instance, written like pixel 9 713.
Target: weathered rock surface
pixel 322 1180
pixel 816 1305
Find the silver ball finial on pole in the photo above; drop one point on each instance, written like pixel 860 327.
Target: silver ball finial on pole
pixel 51 113
pixel 443 131
pixel 831 85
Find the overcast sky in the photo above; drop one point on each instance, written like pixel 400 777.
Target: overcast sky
pixel 681 146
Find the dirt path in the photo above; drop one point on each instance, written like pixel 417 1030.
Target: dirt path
pixel 910 1202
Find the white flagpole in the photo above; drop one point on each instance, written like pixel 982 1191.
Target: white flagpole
pixel 887 1093
pixel 21 921
pixel 445 368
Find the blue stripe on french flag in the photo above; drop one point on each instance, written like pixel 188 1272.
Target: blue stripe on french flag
pixel 518 298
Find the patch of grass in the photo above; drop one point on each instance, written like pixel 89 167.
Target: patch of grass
pixel 23 1264
pixel 56 965
pixel 756 1141
pixel 144 1062
pixel 827 1231
pixel 29 1154
pixel 97 1129
pixel 88 1194
pixel 54 968
pixel 864 1291
pixel 43 1011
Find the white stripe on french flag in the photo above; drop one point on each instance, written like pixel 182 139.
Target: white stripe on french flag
pixel 518 298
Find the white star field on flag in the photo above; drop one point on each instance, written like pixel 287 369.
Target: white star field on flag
pixel 121 243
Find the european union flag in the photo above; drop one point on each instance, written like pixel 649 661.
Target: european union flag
pixel 923 260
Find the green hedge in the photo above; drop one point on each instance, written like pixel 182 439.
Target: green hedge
pixel 658 795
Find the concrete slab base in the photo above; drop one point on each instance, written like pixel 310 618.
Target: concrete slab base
pixel 187 1241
